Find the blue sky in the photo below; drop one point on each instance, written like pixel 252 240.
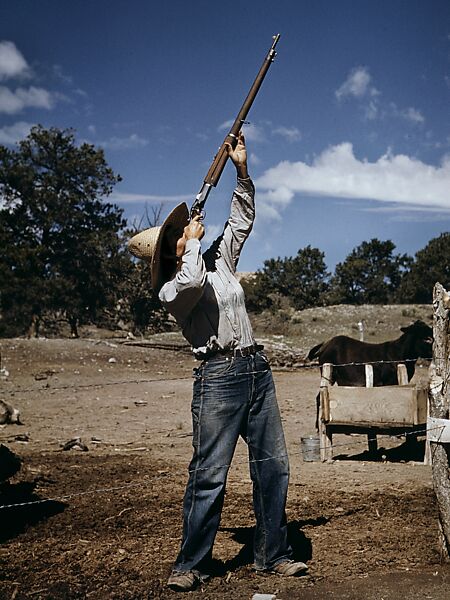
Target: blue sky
pixel 349 137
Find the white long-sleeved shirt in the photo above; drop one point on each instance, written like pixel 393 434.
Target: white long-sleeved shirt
pixel 204 295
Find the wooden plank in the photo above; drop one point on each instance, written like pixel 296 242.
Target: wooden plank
pixel 325 435
pixel 395 405
pixel 327 373
pixel 402 374
pixel 422 405
pixel 369 375
pixel 324 404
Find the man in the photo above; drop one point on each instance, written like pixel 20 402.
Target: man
pixel 234 393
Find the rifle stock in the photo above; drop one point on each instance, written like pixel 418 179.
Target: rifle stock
pixel 218 164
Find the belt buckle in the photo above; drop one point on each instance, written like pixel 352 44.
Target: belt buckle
pixel 246 351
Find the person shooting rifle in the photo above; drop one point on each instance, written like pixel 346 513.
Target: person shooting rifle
pixel 233 391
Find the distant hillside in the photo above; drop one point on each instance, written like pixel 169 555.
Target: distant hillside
pixel 288 335
pixel 306 328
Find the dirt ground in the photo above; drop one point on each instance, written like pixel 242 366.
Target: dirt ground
pixel 367 529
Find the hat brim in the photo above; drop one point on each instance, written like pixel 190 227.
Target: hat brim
pixel 178 218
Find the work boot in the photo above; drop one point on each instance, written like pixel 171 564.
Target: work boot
pixel 288 568
pixel 182 581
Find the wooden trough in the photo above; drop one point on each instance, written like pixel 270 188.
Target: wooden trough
pixel 385 410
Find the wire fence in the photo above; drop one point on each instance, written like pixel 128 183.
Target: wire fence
pixel 182 472
pixel 49 387
pixel 145 482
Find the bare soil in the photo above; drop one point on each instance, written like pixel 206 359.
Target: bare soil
pixel 109 526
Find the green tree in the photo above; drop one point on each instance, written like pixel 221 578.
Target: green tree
pixel 62 248
pixel 302 279
pixel 140 305
pixel 370 274
pixel 431 264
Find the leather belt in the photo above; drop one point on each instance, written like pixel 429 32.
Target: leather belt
pixel 246 351
pixel 236 352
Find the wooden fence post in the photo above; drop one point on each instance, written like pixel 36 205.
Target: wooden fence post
pixel 325 437
pixel 439 396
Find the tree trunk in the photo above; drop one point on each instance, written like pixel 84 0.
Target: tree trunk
pixel 439 396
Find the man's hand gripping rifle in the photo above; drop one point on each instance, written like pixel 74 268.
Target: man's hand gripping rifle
pixel 215 170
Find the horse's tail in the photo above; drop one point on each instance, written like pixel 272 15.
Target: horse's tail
pixel 314 352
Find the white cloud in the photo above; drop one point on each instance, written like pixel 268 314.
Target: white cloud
pixel 252 132
pixel 11 134
pixel 410 114
pixel 338 173
pixel 12 62
pixel 291 134
pixel 357 84
pixel 124 198
pixel 371 110
pixel 14 102
pixel 125 143
pixel 271 202
pixel 254 159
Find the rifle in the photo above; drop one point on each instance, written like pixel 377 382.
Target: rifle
pixel 218 164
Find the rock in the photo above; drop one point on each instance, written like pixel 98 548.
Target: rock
pixel 75 444
pixel 8 414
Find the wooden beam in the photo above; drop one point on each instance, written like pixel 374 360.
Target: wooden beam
pixel 439 392
pixel 402 374
pixel 386 405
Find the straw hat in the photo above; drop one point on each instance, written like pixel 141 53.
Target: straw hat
pixel 147 245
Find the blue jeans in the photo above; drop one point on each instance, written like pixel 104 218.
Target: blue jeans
pixel 233 397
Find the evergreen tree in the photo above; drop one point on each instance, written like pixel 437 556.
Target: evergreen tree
pixel 302 279
pixel 61 245
pixel 431 264
pixel 371 274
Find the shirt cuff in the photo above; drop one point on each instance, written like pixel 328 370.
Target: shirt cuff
pixel 245 185
pixel 192 244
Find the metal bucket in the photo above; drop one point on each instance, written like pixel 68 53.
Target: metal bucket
pixel 310 448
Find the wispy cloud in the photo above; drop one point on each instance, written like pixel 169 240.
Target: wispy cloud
pixel 260 132
pixel 124 198
pixel 254 159
pixel 338 173
pixel 15 95
pixel 124 143
pixel 15 102
pixel 10 134
pixel 291 134
pixel 359 85
pixel 253 133
pixel 13 66
pixel 12 62
pixel 409 114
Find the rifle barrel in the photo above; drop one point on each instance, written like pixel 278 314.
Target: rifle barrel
pixel 218 164
pixel 215 171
